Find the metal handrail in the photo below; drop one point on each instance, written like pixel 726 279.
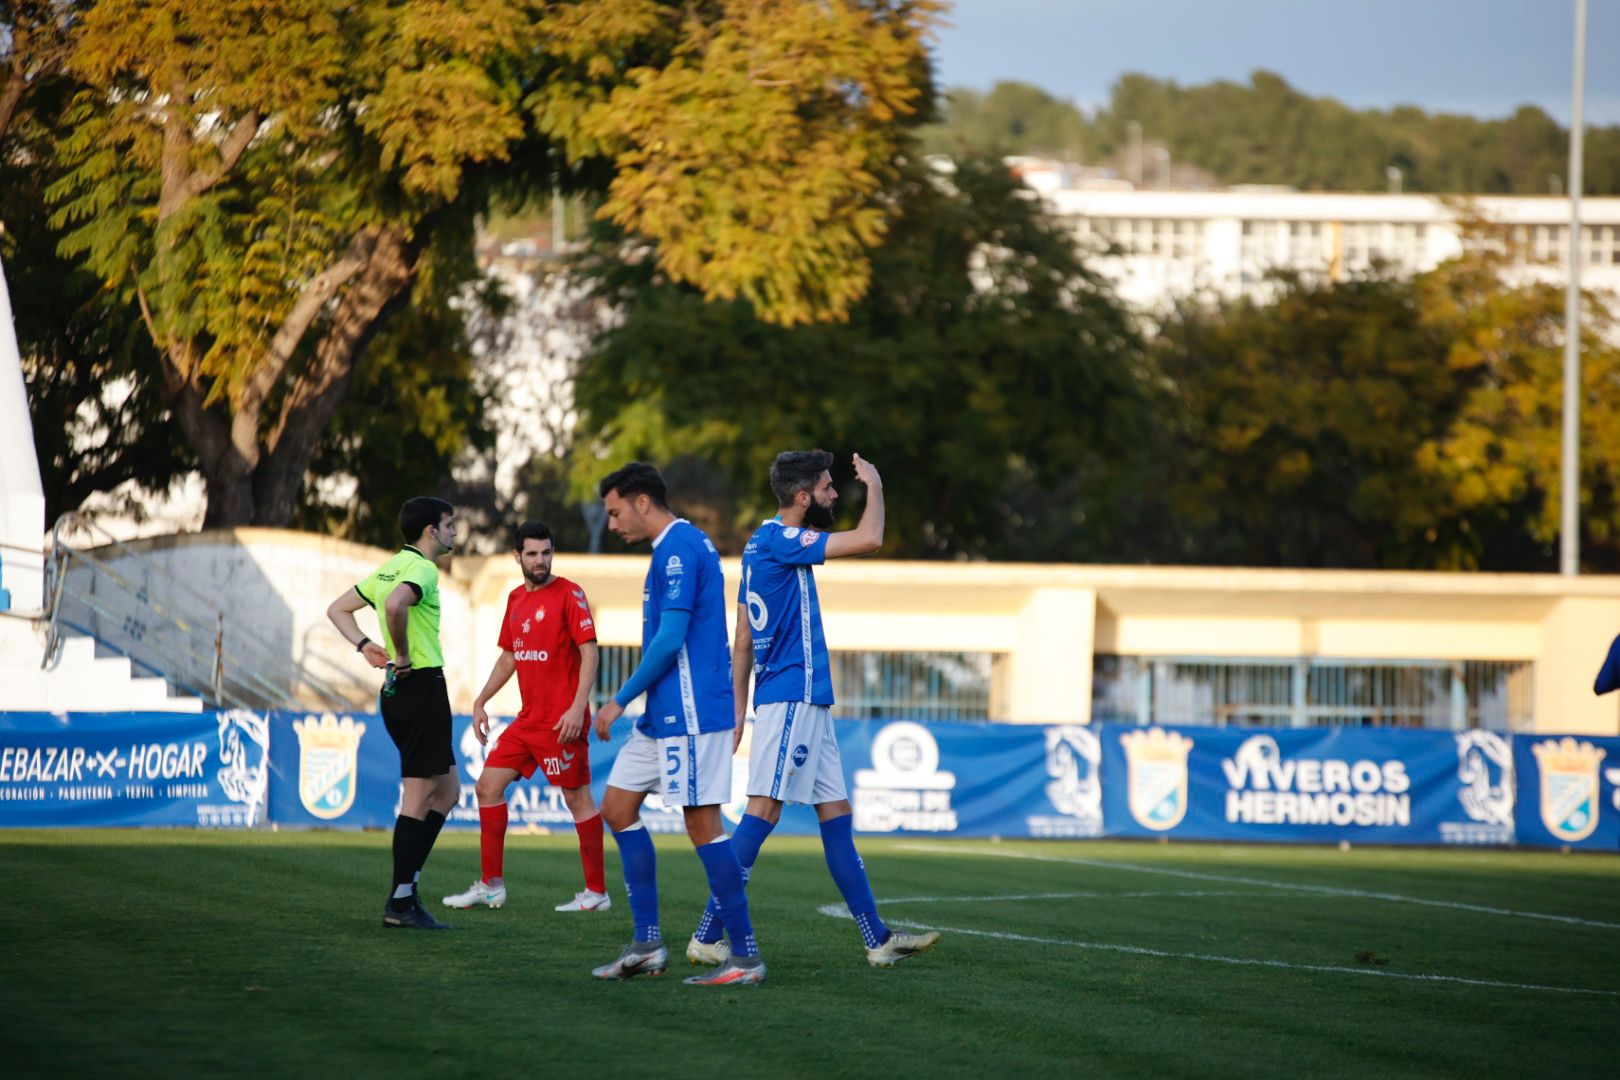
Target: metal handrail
pixel 235 663
pixel 267 691
pixel 266 653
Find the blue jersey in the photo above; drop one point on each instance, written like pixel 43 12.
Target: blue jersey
pixel 695 694
pixel 779 589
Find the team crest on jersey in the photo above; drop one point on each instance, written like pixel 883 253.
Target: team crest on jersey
pixel 1156 768
pixel 809 537
pixel 1569 786
pixel 328 764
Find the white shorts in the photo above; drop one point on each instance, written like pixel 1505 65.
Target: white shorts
pixel 794 757
pixel 684 770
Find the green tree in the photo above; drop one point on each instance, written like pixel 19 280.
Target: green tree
pixel 1300 419
pixel 1266 131
pixel 88 366
pixel 1269 132
pixel 1497 465
pixel 1013 118
pixel 986 362
pixel 270 184
pixel 1382 422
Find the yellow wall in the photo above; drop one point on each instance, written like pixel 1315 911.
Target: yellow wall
pixel 1044 624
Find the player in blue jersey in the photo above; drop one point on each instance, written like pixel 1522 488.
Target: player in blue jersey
pixel 682 745
pixel 795 752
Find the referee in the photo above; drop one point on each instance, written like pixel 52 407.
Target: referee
pixel 415 706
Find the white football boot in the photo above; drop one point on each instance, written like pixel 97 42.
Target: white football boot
pixel 705 952
pixel 481 893
pixel 899 946
pixel 587 901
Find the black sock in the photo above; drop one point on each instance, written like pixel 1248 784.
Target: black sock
pixel 430 834
pixel 408 833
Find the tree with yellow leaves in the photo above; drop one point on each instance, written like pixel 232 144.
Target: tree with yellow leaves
pixel 271 181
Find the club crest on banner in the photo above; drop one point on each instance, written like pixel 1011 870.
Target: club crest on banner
pixel 1569 786
pixel 244 753
pixel 328 763
pixel 475 753
pixel 1073 763
pixel 1156 777
pixel 905 789
pixel 1485 771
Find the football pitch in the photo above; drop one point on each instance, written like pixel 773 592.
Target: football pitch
pixel 181 953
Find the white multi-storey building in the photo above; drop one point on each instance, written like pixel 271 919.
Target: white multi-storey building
pixel 1157 246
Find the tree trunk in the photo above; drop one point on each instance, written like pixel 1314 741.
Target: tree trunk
pixel 227 478
pixel 316 394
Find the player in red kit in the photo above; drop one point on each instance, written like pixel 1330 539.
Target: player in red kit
pixel 549 640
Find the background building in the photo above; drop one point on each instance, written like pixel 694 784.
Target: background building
pixel 1157 246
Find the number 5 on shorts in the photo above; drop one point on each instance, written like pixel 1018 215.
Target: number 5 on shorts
pixel 672 754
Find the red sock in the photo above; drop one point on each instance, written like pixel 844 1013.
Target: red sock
pixel 492 838
pixel 590 852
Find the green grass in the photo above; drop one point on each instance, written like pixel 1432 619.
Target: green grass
pixel 168 953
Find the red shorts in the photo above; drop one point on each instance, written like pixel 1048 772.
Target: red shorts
pixel 525 747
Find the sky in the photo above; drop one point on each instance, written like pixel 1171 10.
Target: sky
pixel 1481 57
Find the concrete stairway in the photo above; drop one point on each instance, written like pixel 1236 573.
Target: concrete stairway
pixel 79 681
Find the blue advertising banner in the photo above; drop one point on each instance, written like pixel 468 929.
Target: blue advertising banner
pixel 242 769
pixel 1569 791
pixel 341 771
pixel 1314 785
pixel 99 769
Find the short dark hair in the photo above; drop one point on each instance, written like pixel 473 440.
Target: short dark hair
pixel 794 471
pixel 419 513
pixel 531 530
pixel 636 478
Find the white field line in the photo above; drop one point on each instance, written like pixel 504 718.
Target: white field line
pixel 839 911
pixel 1227 879
pixel 1066 896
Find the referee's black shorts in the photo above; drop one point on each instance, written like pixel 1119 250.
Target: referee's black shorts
pixel 417 716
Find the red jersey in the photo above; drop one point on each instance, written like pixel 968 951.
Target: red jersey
pixel 543 631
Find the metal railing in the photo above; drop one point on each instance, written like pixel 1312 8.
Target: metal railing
pixel 133 606
pixel 867 685
pixel 1312 691
pixel 912 685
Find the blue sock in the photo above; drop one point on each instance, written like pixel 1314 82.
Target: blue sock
pixel 746 842
pixel 726 884
pixel 849 874
pixel 640 879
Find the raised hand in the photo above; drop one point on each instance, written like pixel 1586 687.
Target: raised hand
pixel 867 473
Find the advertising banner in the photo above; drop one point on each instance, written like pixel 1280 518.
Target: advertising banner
pixel 99 769
pixel 1569 791
pixel 1314 785
pixel 241 769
